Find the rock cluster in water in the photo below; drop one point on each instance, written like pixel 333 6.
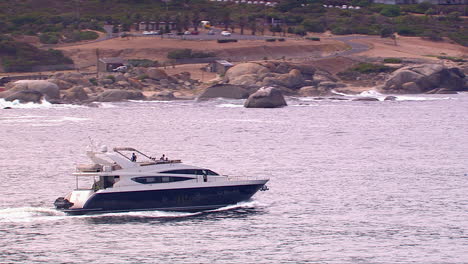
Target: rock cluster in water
pixel 75 87
pixel 425 78
pixel 262 83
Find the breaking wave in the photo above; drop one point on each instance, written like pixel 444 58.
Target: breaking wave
pixel 44 104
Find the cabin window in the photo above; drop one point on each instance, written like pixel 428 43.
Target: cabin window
pixel 191 172
pixel 158 179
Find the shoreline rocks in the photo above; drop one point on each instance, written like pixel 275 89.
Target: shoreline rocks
pixel 265 97
pixel 425 78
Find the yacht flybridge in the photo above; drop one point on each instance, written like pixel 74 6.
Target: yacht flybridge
pixel 126 179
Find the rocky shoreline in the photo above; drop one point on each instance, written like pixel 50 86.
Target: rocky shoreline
pixel 244 80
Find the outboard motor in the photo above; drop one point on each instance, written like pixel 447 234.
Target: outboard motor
pixel 62 203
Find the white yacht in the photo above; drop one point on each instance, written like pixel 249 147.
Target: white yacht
pixel 126 179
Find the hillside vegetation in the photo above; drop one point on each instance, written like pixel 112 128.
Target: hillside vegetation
pixel 59 21
pixel 22 57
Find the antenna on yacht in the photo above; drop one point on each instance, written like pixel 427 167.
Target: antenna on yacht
pixel 92 144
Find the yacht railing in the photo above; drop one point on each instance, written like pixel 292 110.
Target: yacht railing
pixel 244 178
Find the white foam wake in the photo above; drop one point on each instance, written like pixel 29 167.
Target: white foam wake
pixel 29 214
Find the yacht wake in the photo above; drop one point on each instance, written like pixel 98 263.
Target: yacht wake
pixel 29 214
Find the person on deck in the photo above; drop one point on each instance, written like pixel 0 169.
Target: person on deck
pixel 134 157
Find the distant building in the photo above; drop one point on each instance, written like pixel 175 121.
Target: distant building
pixel 220 66
pixel 108 64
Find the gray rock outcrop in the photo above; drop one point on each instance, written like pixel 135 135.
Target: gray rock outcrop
pixel 225 91
pixel 74 94
pixel 424 78
pixel 114 95
pixel 49 89
pixel 156 74
pixel 265 97
pixel 26 96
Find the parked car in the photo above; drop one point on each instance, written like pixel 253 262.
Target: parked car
pixel 225 33
pixel 120 69
pixel 194 32
pixel 187 33
pixel 211 32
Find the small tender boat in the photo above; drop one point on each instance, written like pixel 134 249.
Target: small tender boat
pixel 126 179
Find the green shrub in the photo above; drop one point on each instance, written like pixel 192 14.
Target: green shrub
pixel 432 35
pixel 93 81
pixel 454 59
pixel 201 54
pixel 142 63
pixel 390 11
pixel 143 76
pixel 187 54
pixel 313 38
pixel 49 38
pixel 20 56
pixel 460 37
pixel 77 35
pixel 371 68
pixel 226 40
pixel 111 77
pixel 392 60
pixel 270 40
pixel 281 39
pixel 179 54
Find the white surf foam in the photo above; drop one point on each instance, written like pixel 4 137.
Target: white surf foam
pixel 230 105
pixel 44 104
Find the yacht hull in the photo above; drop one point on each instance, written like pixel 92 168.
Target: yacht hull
pixel 183 199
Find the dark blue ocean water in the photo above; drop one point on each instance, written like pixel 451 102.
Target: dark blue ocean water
pixel 350 182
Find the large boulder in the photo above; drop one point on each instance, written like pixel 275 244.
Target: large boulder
pixel 424 78
pixel 156 74
pixel 49 89
pixel 76 93
pixel 163 96
pixel 292 80
pixel 246 79
pixel 114 95
pixel 225 91
pixel 63 85
pixel 314 91
pixel 26 96
pixel 265 97
pixel 244 69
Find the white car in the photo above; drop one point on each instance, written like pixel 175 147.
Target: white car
pixel 120 69
pixel 225 33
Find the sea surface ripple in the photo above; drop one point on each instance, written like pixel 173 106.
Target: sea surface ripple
pixel 350 182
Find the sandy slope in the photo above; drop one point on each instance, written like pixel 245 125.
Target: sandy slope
pixel 412 47
pixel 155 48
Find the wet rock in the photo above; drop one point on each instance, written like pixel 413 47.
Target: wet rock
pixel 25 96
pixel 390 98
pixel 163 96
pixel 49 89
pixel 265 97
pixel 63 85
pixel 424 78
pixel 225 91
pixel 365 99
pixel 114 95
pixel 75 94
